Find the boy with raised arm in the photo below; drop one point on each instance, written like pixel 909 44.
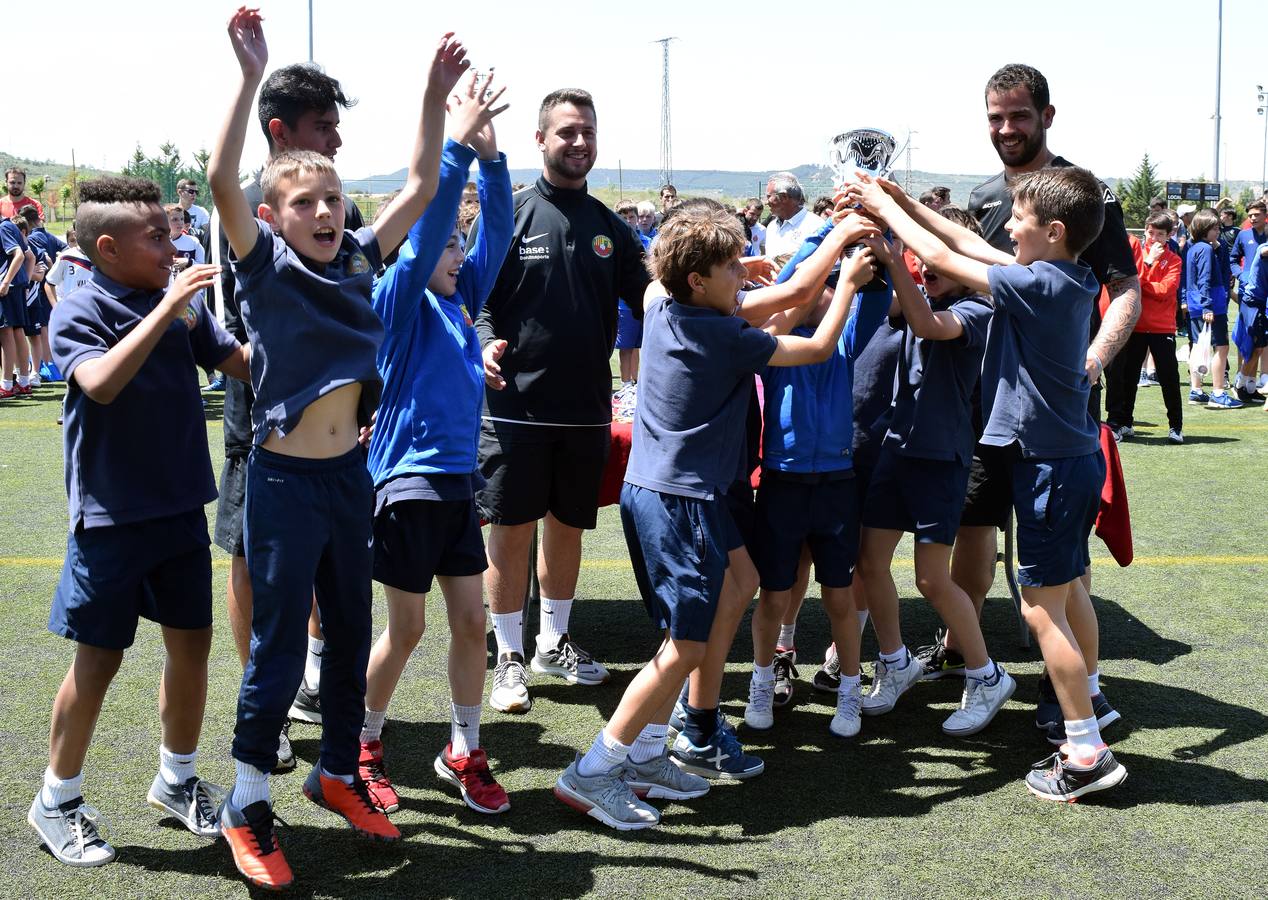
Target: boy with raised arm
pixel 1034 400
pixel 304 287
pixel 423 452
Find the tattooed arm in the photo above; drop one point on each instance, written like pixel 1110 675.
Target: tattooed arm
pixel 1116 326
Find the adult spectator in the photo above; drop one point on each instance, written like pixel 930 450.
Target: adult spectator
pixel 753 215
pixel 199 218
pixel 936 197
pixel 548 329
pixel 668 199
pixel 1185 211
pixel 15 197
pixel 791 222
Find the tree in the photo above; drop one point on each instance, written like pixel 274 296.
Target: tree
pixel 64 193
pixel 167 167
pixel 38 186
pixel 1143 186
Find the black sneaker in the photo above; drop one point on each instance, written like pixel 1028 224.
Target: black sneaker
pixel 1106 715
pixel 785 672
pixel 307 706
pixel 828 679
pixel 285 753
pixel 938 660
pixel 1059 779
pixel 1048 709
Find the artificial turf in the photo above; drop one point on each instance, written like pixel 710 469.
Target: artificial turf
pixel 900 811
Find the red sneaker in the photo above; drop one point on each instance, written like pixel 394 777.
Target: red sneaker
pixel 7 394
pixel 372 772
pixel 22 390
pixel 251 838
pixel 352 801
pixel 470 774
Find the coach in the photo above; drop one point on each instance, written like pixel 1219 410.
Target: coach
pixel 548 329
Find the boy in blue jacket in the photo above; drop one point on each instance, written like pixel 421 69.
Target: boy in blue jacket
pixel 423 451
pixel 1206 293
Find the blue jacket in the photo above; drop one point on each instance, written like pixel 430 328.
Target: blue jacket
pixel 1205 280
pixel 433 374
pixel 1244 250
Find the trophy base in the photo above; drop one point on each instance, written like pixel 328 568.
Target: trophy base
pixel 878 283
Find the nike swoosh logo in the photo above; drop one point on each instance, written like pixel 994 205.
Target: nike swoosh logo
pixel 528 239
pixel 926 524
pixel 463 725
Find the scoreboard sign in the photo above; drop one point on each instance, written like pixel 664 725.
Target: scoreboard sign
pixel 1193 191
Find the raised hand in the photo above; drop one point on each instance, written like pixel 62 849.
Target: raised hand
pixel 447 65
pixel 885 254
pixel 868 193
pixel 760 269
pixel 857 227
pixel 471 110
pixel 187 285
pixel 860 268
pixel 246 34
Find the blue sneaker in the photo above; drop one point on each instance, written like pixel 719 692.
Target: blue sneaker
pixel 45 373
pixel 217 384
pixel 724 758
pixel 678 718
pixel 1106 715
pixel 1224 400
pixel 55 374
pixel 1199 397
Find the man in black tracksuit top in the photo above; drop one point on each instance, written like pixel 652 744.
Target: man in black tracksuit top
pixel 548 329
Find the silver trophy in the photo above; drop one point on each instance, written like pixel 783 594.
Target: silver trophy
pixel 872 152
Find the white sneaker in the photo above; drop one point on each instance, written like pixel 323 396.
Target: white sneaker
pixel 510 685
pixel 979 703
pixel 1263 383
pixel 1175 437
pixel 846 723
pixel 890 684
pixel 34 380
pixel 760 712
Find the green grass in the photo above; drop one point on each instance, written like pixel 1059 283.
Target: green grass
pixel 901 811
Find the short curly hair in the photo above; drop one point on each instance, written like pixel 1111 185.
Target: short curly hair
pixel 101 207
pixel 695 238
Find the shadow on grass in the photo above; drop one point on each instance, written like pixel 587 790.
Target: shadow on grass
pixel 1188 439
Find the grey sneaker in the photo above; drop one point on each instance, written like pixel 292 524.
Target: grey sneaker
pixel 70 832
pixel 760 712
pixel 510 685
pixel 658 778
pixel 306 707
pixel 285 752
pixel 890 684
pixel 785 672
pixel 569 662
pixel 846 722
pixel 194 803
pixel 979 703
pixel 606 797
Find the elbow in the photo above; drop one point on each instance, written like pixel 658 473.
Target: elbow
pixel 821 353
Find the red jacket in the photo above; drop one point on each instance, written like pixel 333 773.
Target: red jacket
pixel 1158 285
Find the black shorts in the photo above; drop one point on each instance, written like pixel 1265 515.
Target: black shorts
pixel 415 540
pixel 739 503
pixel 823 515
pixel 230 506
pixel 990 494
pixel 531 470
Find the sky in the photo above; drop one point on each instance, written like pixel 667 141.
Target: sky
pixel 751 88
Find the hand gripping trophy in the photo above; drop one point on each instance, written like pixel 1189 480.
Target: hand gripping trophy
pixel 868 150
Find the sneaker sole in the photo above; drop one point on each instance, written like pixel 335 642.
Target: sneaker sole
pixel 755 726
pixel 284 765
pixel 445 775
pixel 516 708
pixel 68 860
pixel 822 685
pixel 569 797
pixel 646 790
pixel 715 774
pixel 565 674
pixel 157 802
pixel 1104 783
pixel 296 714
pixel 845 737
pixel 967 732
pixel 935 674
pixel 386 838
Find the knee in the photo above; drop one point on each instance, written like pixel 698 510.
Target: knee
pixel 468 624
pixel 95 665
pixel 408 631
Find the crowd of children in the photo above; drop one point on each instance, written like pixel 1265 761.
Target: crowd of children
pixel 362 464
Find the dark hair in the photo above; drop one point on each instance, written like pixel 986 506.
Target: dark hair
pixel 22 224
pixel 698 236
pixel 624 206
pixel 1157 201
pixel 668 187
pixel 961 217
pixel 100 202
pixel 32 215
pixel 744 226
pixel 822 205
pixel 575 96
pixel 942 193
pixel 927 197
pixel 1203 221
pixel 1161 220
pixel 14 170
pixel 186 182
pixel 294 90
pixel 1020 75
pixel 1254 204
pixel 1067 194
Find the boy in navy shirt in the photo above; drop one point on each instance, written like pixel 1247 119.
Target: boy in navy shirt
pixel 423 452
pixel 1034 399
pixel 138 546
pixel 304 286
pixel 688 556
pixel 17 265
pixel 919 485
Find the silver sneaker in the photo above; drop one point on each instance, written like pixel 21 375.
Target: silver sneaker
pixel 606 797
pixel 70 832
pixel 760 712
pixel 846 722
pixel 285 752
pixel 194 803
pixel 658 778
pixel 979 704
pixel 569 662
pixel 890 684
pixel 510 685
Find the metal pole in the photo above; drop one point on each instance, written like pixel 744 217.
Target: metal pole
pixel 1263 111
pixel 1219 62
pixel 310 30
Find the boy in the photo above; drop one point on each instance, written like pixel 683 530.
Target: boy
pixel 304 290
pixel 423 451
pixel 128 344
pixel 1035 387
pixel 1249 382
pixel 629 330
pixel 1206 294
pixel 46 247
pixel 17 265
pixel 919 485
pixel 688 557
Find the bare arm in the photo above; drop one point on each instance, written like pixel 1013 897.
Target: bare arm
pixel 794 350
pixel 103 377
pixel 954 235
pixel 1116 325
pixel 16 258
pixel 923 321
pixel 246 34
pixel 237 364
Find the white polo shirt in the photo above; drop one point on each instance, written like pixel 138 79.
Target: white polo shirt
pixel 786 236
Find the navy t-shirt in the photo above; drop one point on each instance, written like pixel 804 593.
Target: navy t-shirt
pixel 143 456
pixel 311 330
pixel 11 238
pixel 1034 377
pixel 931 416
pixel 874 390
pixel 693 399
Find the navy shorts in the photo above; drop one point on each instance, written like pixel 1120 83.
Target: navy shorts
pixel 13 307
pixel 793 512
pixel 415 540
pixel 629 330
pixel 1056 501
pixel 923 496
pixel 113 575
pixel 989 496
pixel 678 548
pixel 1219 328
pixel 37 308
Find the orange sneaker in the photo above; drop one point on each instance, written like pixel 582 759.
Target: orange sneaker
pixel 470 774
pixel 352 801
pixel 256 852
pixel 372 772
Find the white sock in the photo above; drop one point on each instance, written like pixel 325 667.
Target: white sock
pixel 8 386
pixel 604 755
pixel 508 631
pixel 987 674
pixel 649 744
pixel 898 659
pixel 346 779
pixel 372 729
pixel 250 786
pixel 764 674
pixel 312 663
pixel 787 637
pixel 24 381
pixel 1094 683
pixel 1084 738
pixel 176 768
pixel 554 623
pixel 849 685
pixel 862 614
pixel 57 791
pixel 464 729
